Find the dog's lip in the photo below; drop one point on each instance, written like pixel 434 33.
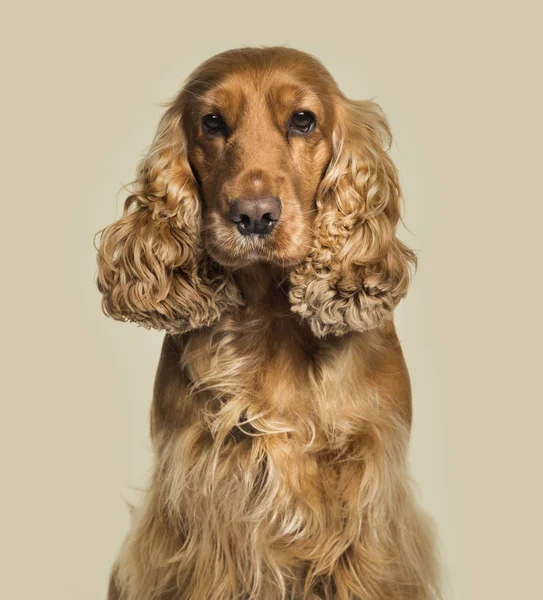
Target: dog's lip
pixel 256 238
pixel 250 257
pixel 248 249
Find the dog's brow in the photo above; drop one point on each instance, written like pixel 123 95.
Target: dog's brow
pixel 225 99
pixel 292 96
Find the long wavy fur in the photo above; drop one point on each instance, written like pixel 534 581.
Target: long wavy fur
pixel 152 269
pixel 357 270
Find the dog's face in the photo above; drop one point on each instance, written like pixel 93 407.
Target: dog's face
pixel 259 140
pixel 260 158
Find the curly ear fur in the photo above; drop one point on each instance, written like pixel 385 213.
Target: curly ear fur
pixel 151 267
pixel 357 270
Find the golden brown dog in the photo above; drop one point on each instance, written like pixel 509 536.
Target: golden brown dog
pixel 260 235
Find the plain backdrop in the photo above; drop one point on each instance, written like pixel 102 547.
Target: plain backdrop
pixel 82 84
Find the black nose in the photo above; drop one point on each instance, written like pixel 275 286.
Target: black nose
pixel 255 215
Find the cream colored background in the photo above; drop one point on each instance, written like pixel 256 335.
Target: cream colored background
pixel 460 83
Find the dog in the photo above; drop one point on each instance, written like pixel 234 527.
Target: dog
pixel 260 235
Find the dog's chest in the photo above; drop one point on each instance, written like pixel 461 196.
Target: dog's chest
pixel 273 439
pixel 274 371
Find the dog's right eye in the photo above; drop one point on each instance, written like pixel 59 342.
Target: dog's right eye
pixel 213 125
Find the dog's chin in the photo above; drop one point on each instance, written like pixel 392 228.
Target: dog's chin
pixel 251 251
pixel 238 260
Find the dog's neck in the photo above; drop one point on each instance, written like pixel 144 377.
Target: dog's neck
pixel 264 286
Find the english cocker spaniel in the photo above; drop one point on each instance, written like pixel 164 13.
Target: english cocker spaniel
pixel 260 235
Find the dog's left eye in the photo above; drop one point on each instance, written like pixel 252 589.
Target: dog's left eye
pixel 214 125
pixel 302 122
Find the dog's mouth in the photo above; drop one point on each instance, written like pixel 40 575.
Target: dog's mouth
pixel 282 244
pixel 233 249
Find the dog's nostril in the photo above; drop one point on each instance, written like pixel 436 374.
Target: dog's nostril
pixel 244 220
pixel 255 215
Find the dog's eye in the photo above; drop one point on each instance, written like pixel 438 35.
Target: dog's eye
pixel 302 122
pixel 214 125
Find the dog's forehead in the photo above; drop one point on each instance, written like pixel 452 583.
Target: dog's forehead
pixel 274 89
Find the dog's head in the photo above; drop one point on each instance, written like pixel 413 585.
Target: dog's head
pixel 260 158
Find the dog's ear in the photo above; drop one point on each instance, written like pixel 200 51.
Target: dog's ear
pixel 152 268
pixel 357 270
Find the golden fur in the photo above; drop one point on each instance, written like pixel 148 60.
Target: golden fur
pixel 282 406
